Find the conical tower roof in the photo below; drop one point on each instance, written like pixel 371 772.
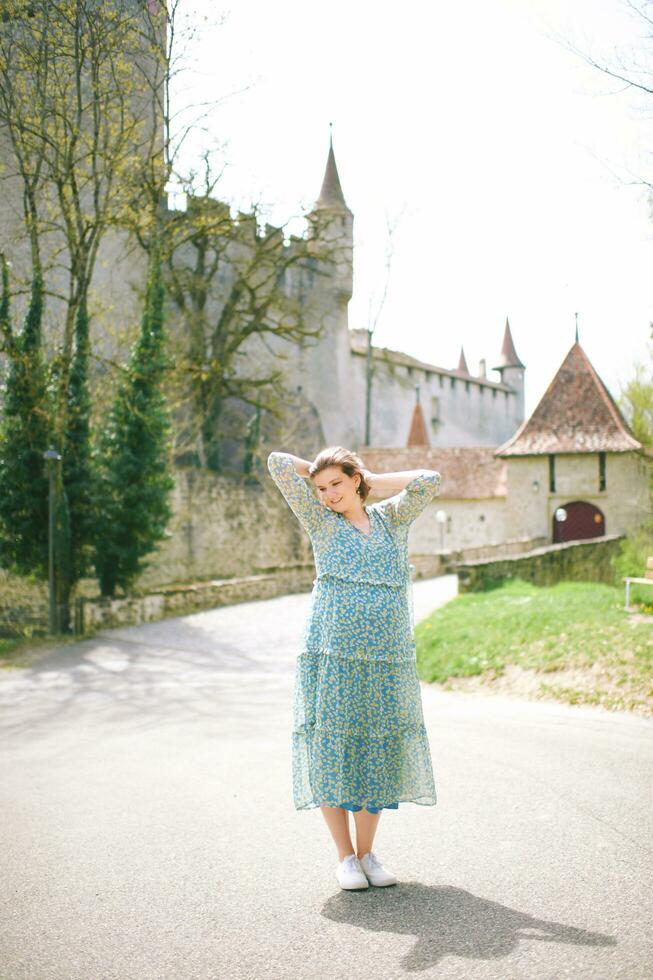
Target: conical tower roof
pixel 576 414
pixel 462 362
pixel 331 196
pixel 508 356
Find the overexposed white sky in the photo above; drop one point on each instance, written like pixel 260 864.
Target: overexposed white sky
pixel 510 167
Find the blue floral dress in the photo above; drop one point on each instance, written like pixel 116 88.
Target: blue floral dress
pixel 358 730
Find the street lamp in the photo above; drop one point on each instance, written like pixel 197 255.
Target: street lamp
pixel 52 457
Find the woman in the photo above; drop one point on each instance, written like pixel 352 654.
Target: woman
pixel 359 742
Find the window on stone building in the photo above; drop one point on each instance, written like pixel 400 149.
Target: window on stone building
pixel 552 473
pixel 602 473
pixel 494 392
pixel 441 380
pixel 453 382
pixel 435 411
pixel 467 386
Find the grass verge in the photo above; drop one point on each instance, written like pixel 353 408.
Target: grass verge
pixel 572 642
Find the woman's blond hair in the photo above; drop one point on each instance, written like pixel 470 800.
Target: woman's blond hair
pixel 348 461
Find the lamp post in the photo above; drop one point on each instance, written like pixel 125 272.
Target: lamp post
pixel 51 456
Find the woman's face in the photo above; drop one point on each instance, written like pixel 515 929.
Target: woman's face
pixel 336 489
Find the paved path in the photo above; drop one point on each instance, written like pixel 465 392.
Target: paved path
pixel 148 830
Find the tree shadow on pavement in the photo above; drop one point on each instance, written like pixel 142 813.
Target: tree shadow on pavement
pixel 227 669
pixel 449 921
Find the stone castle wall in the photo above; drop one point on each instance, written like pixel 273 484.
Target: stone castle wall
pixel 459 411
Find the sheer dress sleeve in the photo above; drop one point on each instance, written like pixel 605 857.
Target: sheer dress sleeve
pixel 300 498
pixel 405 507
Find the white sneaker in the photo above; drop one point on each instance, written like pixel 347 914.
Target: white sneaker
pixel 375 872
pixel 349 873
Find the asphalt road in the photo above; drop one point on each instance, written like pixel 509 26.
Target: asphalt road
pixel 148 831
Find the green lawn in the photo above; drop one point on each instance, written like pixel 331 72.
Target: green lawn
pixel 574 638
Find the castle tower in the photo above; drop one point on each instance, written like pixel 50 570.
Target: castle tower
pixel 512 370
pixel 575 469
pixel 325 285
pixel 331 226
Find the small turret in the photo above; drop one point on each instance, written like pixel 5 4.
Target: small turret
pixel 331 226
pixel 508 356
pixel 512 370
pixel 331 197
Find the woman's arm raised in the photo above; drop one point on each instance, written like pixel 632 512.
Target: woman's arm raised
pixel 386 482
pixel 289 473
pixel 301 465
pixel 418 488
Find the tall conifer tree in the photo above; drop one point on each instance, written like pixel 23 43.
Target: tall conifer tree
pixel 133 476
pixel 24 436
pixel 77 475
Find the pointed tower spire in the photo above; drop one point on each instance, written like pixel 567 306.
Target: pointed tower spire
pixel 331 232
pixel 508 356
pixel 462 363
pixel 331 195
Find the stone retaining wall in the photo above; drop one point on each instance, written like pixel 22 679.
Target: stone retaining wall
pixel 23 606
pixel 97 613
pixel 429 566
pixel 580 561
pixel 502 549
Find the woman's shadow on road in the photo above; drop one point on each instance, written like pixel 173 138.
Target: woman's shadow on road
pixel 449 921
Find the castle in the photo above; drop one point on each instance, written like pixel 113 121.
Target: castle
pixel 572 470
pixel 334 383
pixel 459 408
pixel 501 485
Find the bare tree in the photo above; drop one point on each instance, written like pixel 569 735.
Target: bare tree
pixel 234 280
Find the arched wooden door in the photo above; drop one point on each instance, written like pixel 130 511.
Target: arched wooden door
pixel 577 520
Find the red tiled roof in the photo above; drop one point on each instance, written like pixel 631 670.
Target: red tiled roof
pixel 576 414
pixel 468 472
